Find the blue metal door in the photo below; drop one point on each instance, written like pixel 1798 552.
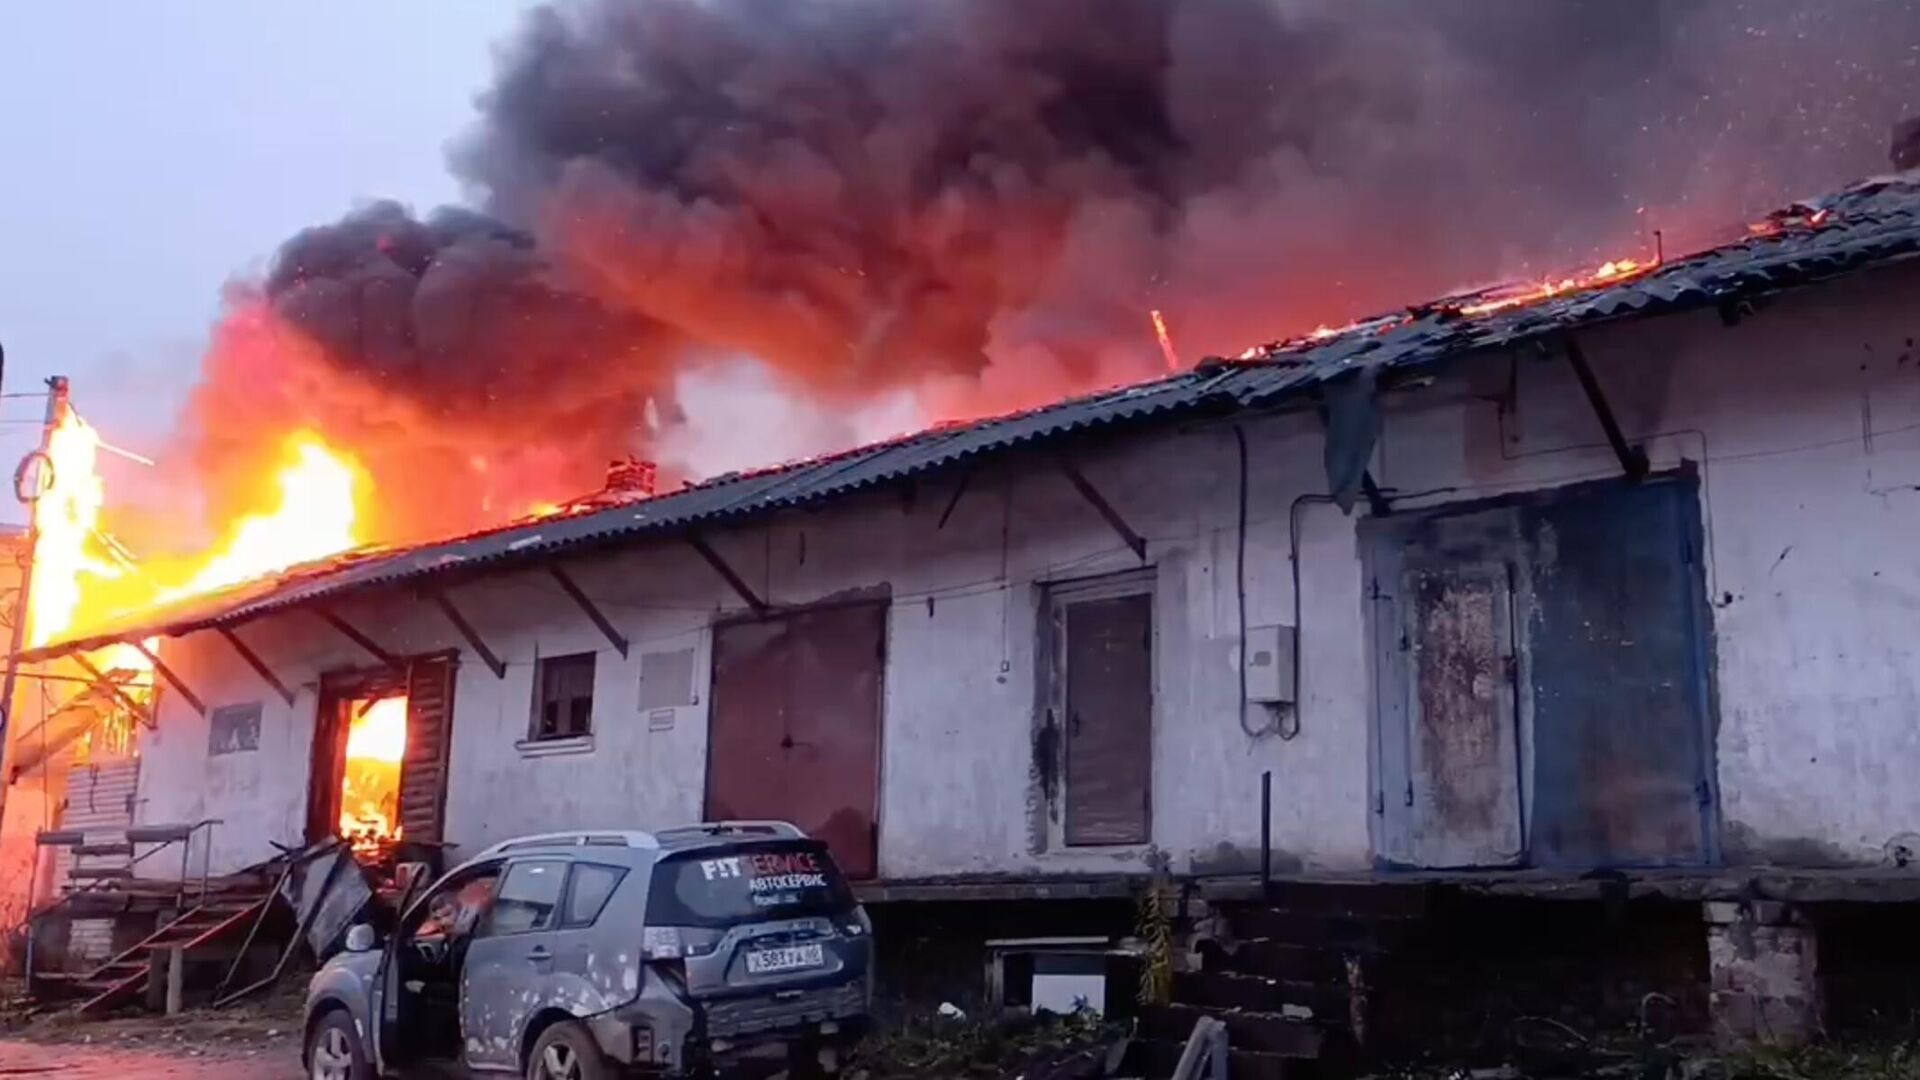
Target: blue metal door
pixel 1616 633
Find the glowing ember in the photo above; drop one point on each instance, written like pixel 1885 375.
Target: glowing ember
pixel 1166 341
pixel 1606 273
pixel 370 781
pixel 314 517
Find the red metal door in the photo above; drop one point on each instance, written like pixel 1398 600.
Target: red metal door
pixel 795 726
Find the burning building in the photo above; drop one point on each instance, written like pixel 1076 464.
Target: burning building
pixel 1597 575
pixel 1522 588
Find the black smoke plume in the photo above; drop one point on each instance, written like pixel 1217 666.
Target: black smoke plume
pixel 978 201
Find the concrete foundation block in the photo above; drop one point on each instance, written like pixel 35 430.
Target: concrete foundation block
pixel 1764 962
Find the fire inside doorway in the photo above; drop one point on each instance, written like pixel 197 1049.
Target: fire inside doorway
pixel 370 774
pixel 380 759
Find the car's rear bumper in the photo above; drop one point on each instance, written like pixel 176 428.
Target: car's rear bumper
pixel 667 1033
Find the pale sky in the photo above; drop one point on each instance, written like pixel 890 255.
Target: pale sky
pixel 149 152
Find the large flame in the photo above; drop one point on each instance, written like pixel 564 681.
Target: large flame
pixel 66 515
pixel 314 515
pixel 370 782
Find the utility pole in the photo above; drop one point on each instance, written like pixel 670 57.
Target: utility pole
pixel 57 407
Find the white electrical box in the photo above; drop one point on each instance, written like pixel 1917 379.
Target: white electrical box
pixel 1269 658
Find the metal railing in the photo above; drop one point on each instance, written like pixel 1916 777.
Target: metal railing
pixel 156 838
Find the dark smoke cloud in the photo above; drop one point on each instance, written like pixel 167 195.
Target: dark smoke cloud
pixel 978 200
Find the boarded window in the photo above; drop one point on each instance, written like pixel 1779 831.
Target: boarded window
pixel 564 708
pixel 1104 687
pixel 234 729
pixel 666 679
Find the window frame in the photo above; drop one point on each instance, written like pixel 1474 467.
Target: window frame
pixel 491 927
pixel 573 880
pixel 536 732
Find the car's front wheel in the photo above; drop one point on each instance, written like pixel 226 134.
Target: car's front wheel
pixel 334 1051
pixel 566 1051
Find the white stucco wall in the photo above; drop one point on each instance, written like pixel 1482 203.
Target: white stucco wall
pixel 1804 418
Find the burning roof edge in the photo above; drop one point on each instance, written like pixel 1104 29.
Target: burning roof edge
pixel 1872 224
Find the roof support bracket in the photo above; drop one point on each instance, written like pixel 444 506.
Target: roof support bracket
pixel 1377 502
pixel 1092 494
pixel 572 590
pixel 1633 459
pixel 953 503
pixel 371 647
pixel 733 579
pixel 258 665
pixel 113 689
pixel 460 623
pixel 160 667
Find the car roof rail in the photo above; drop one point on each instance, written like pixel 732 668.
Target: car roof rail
pixel 578 838
pixel 714 830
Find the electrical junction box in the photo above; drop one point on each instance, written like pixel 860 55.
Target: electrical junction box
pixel 1269 657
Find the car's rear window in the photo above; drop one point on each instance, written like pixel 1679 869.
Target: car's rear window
pixel 722 887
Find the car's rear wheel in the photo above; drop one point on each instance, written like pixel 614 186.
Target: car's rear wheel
pixel 566 1051
pixel 334 1051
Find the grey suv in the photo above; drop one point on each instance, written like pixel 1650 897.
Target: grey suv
pixel 581 955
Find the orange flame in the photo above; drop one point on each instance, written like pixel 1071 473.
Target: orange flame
pixel 1607 273
pixel 1166 341
pixel 370 783
pixel 66 517
pixel 315 516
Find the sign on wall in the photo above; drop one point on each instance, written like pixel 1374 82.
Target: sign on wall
pixel 234 729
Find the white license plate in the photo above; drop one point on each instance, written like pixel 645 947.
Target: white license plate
pixel 796 958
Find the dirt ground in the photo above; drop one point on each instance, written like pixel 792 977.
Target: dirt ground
pixel 257 1041
pixel 99 1060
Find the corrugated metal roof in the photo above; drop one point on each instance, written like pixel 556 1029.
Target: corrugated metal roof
pixel 1870 224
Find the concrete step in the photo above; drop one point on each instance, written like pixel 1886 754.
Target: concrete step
pixel 1260 1032
pixel 1159 1057
pixel 1277 960
pixel 1370 899
pixel 1325 1001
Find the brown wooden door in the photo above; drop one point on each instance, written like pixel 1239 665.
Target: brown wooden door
pixel 1109 721
pixel 795 726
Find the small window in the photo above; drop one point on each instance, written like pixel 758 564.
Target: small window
pixel 564 708
pixel 589 892
pixel 528 898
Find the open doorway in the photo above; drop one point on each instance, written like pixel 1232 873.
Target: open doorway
pixel 379 760
pixel 370 772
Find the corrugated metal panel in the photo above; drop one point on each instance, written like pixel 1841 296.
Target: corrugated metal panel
pixel 1867 225
pixel 99 803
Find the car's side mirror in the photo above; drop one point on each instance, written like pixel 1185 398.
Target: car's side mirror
pixel 361 938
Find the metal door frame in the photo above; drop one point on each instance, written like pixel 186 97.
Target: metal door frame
pixel 1380 548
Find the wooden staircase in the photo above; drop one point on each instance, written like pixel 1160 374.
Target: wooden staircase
pixel 124 977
